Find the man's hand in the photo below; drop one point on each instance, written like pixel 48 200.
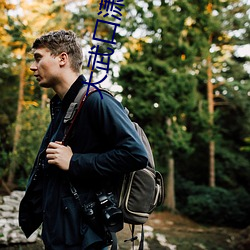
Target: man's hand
pixel 59 155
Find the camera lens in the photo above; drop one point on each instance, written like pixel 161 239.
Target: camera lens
pixel 112 215
pixel 114 219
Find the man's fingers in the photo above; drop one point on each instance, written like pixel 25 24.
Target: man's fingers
pixel 53 145
pixel 59 155
pixel 52 152
pixel 52 161
pixel 51 156
pixel 49 150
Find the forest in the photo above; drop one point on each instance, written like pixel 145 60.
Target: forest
pixel 182 69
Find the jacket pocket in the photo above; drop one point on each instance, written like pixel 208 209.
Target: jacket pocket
pixel 72 221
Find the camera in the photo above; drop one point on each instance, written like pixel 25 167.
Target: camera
pixel 105 212
pixel 111 214
pixel 90 213
pixel 93 220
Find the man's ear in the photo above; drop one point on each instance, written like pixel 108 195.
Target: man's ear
pixel 63 58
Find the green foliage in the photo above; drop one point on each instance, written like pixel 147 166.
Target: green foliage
pixel 8 104
pixel 214 205
pixel 158 88
pixel 15 30
pixel 231 166
pixel 8 87
pixel 4 156
pixel 34 124
pixel 247 146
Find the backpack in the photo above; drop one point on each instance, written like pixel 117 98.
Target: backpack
pixel 142 190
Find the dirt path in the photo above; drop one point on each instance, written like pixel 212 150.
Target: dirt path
pixel 174 232
pixel 165 231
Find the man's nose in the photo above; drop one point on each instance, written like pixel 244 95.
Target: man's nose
pixel 33 66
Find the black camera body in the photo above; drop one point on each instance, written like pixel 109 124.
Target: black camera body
pixel 104 212
pixel 92 217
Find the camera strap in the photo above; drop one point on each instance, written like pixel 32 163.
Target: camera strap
pixel 73 111
pixel 75 108
pixel 75 194
pixel 69 119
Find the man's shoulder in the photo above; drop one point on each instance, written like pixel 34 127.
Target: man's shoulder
pixel 100 96
pixel 103 101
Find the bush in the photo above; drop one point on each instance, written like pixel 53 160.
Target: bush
pixel 214 206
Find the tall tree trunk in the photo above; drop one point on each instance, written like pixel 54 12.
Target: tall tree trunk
pixel 210 97
pixel 17 131
pixel 170 190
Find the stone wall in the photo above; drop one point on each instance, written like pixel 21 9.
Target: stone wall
pixel 10 232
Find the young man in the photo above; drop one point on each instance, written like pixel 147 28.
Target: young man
pixel 102 147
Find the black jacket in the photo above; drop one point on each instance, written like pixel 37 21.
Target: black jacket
pixel 105 146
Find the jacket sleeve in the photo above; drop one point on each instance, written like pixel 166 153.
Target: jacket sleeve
pixel 126 151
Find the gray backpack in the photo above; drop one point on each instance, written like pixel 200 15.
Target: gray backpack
pixel 142 190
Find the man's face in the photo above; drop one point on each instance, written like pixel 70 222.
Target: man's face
pixel 45 67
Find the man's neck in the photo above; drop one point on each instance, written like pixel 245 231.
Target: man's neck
pixel 65 84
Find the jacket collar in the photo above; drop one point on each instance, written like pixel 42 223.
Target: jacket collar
pixel 70 95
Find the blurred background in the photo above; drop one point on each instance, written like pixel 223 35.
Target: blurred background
pixel 182 69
